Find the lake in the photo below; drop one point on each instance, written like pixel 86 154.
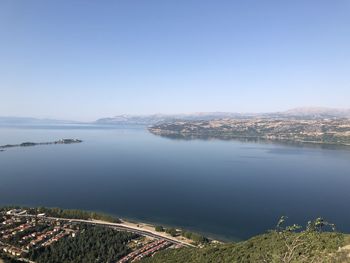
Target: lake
pixel 228 190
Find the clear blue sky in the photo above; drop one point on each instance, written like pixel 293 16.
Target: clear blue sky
pixel 89 59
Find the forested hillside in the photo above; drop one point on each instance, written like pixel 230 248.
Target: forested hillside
pixel 264 248
pixel 285 244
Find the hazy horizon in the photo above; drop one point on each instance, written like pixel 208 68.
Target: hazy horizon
pixel 311 108
pixel 85 60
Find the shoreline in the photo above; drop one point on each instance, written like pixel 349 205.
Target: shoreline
pixel 31 144
pixel 114 220
pixel 141 226
pixel 211 236
pixel 191 136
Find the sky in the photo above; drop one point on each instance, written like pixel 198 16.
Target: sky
pixel 82 60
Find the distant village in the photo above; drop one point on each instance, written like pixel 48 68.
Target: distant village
pixel 331 131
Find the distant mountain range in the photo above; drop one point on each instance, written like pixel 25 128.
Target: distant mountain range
pixel 151 119
pixel 297 113
pixel 318 112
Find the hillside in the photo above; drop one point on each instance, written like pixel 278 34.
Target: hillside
pixel 268 247
pixel 323 131
pixel 310 113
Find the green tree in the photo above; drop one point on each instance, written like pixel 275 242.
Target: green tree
pixel 159 228
pixel 172 231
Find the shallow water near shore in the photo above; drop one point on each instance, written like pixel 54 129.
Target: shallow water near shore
pixel 226 189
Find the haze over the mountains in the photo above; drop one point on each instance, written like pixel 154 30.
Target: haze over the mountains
pixel 5 120
pixel 303 112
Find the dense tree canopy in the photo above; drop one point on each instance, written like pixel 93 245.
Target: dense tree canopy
pixel 159 228
pixel 92 244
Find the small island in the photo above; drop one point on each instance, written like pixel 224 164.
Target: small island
pixel 28 144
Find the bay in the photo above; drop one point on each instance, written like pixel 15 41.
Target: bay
pixel 229 190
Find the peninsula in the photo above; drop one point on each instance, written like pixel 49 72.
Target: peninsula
pixel 317 131
pixel 28 144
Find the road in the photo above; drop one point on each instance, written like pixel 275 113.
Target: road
pixel 122 227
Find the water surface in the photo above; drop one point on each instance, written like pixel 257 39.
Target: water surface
pixel 225 189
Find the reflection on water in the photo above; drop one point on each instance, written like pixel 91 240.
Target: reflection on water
pixel 188 137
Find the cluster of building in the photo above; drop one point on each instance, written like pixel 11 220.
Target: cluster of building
pixel 146 251
pixel 7 234
pixel 287 128
pixel 20 234
pixel 14 251
pixel 59 236
pixel 49 237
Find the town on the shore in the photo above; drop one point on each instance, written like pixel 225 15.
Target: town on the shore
pixel 24 235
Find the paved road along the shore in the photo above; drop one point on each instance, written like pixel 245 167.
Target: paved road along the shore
pixel 119 226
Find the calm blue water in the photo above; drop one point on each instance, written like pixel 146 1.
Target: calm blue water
pixel 226 189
